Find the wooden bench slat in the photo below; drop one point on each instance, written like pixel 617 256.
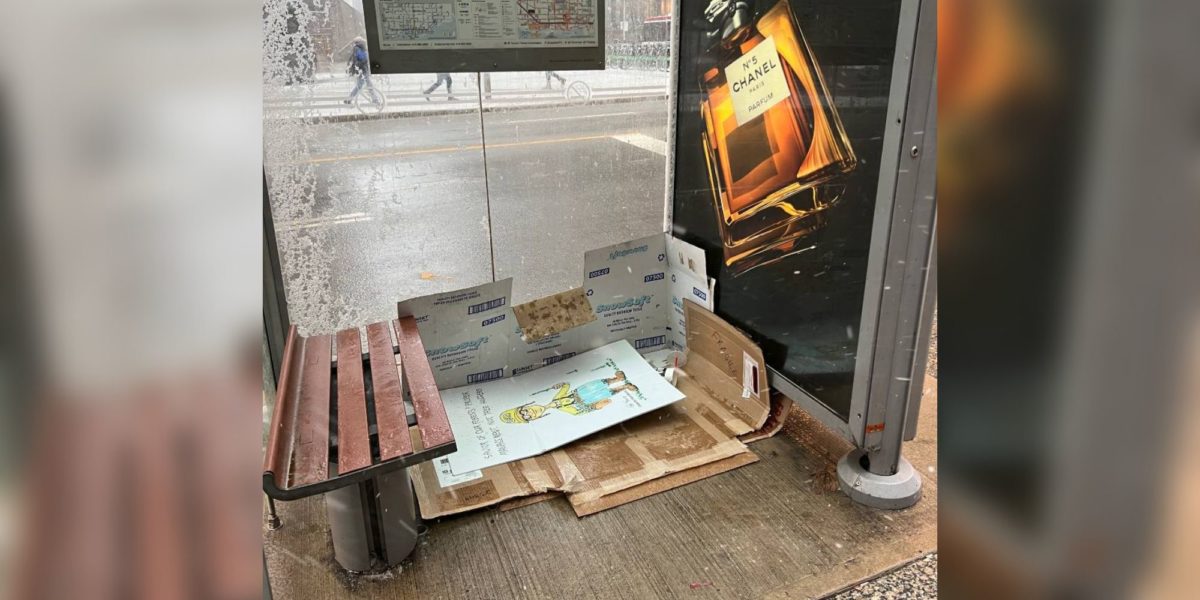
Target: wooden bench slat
pixel 299 447
pixel 354 441
pixel 432 421
pixel 312 419
pixel 390 418
pixel 281 440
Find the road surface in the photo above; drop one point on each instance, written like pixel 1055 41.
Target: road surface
pixel 401 206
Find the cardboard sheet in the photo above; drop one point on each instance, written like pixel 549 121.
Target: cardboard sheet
pixel 466 332
pixel 688 283
pixel 627 286
pixel 653 294
pixel 781 406
pixel 517 417
pixel 634 291
pixel 729 367
pixel 675 439
pixel 638 288
pixel 654 486
pixel 694 438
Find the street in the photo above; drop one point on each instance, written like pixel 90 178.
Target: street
pixel 400 207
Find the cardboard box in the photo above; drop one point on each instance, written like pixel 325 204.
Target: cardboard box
pixel 724 378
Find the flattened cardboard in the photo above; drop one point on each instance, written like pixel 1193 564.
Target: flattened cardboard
pixel 716 357
pixel 723 375
pixel 662 484
pixel 620 384
pixel 673 446
pixel 584 508
pixel 516 503
pixel 465 332
pixel 781 406
pixel 498 483
pixel 677 439
pixel 627 286
pixel 673 439
pixel 689 283
pixel 634 291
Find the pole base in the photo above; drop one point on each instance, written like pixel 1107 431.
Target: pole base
pixel 890 492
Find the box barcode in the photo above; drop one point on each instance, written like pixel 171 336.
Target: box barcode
pixel 489 305
pixel 549 360
pixel 485 376
pixel 650 342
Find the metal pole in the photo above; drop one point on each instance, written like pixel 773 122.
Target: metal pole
pixel 876 474
pixel 373 524
pixel 273 521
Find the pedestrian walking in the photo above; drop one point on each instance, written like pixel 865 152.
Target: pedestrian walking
pixel 360 68
pixel 562 81
pixel 441 77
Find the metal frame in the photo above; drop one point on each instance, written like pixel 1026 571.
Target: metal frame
pixel 275 314
pixel 897 308
pixel 809 403
pixel 672 115
pixel 899 297
pixel 924 329
pixel 909 124
pixel 480 60
pixel 885 201
pixel 287 494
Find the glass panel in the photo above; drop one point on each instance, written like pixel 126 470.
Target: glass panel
pixel 791 230
pixel 577 159
pixel 387 196
pixel 374 200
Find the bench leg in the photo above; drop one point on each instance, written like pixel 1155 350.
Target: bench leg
pixel 273 521
pixel 373 523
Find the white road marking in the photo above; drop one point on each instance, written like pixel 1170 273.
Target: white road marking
pixel 644 142
pixel 323 221
pixel 548 120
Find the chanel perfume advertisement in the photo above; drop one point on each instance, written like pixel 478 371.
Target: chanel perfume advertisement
pixel 781 117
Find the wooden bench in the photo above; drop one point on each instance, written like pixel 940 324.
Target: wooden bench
pixel 340 417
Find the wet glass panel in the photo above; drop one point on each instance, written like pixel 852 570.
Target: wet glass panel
pixel 376 196
pixel 577 159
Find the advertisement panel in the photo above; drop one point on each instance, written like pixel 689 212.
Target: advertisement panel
pixel 422 36
pixel 781 118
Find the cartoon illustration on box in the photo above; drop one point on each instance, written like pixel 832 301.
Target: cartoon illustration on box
pixel 587 398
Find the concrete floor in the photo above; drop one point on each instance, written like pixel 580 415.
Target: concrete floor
pixel 774 529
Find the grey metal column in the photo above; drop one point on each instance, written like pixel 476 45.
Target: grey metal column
pixel 876 474
pixel 374 523
pixel 397 517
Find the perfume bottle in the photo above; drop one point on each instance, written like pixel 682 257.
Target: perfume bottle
pixel 773 140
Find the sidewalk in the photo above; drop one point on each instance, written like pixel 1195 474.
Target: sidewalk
pixel 323 99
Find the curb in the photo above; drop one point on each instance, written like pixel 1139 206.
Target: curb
pixel 354 117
